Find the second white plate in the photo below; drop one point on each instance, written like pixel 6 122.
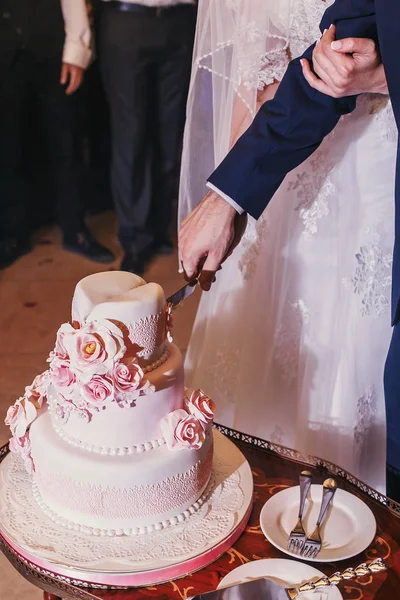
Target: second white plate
pixel 286 572
pixel 349 527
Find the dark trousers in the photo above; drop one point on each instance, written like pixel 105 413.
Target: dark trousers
pixel 392 398
pixel 145 60
pixel 31 88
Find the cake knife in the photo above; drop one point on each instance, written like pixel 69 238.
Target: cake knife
pixel 182 294
pixel 266 589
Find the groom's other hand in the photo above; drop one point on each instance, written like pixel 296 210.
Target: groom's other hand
pixel 345 67
pixel 207 236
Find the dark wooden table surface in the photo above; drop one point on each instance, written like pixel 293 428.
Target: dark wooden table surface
pixel 274 468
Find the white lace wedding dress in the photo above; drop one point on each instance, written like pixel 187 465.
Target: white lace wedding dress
pixel 291 340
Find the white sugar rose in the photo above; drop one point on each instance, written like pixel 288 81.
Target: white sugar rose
pixel 202 407
pixel 94 349
pixel 182 430
pixel 60 349
pixel 20 416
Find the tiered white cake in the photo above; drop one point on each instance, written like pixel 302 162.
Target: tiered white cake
pixel 114 445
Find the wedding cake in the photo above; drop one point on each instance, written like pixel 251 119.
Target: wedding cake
pixel 114 444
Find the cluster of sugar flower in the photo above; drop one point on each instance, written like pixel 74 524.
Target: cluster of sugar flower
pixel 22 414
pixel 88 370
pixel 186 428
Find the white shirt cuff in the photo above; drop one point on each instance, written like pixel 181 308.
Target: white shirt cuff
pixel 76 54
pixel 236 206
pixel 77 46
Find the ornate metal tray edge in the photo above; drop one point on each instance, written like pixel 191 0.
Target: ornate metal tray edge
pixel 314 461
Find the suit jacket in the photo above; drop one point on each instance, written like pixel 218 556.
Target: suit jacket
pixel 290 127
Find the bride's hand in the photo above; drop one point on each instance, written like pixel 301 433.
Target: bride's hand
pixel 207 237
pixel 345 67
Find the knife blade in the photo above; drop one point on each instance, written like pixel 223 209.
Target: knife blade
pixel 182 294
pixel 256 589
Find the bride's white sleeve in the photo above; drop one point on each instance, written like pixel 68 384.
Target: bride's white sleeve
pixel 241 46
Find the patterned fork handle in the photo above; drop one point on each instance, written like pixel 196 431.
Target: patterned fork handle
pixel 375 566
pixel 297 536
pixel 313 543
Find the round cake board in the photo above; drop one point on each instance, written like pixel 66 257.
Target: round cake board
pixel 129 561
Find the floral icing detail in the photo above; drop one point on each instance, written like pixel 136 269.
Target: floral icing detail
pixel 98 391
pixel 94 348
pixel 20 416
pixel 63 379
pixel 201 406
pixel 37 391
pixel 22 447
pixel 88 370
pixel 130 382
pixel 182 430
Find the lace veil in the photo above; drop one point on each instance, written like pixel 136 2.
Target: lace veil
pixel 240 47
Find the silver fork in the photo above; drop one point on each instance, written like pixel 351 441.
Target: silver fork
pixel 313 543
pixel 297 536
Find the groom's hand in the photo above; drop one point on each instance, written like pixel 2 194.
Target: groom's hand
pixel 207 236
pixel 345 67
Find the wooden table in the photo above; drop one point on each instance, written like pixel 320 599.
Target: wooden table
pixel 274 468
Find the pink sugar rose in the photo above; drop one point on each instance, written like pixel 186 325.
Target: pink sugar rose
pixel 20 416
pixel 202 407
pixel 98 391
pixel 61 374
pixel 127 377
pixel 182 430
pixel 22 447
pixel 63 379
pixel 130 381
pixel 94 349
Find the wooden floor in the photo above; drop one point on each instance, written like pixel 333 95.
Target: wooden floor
pixel 35 298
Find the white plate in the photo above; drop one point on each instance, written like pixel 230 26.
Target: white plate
pixel 349 527
pixel 287 572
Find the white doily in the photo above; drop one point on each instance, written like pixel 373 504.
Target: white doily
pixel 26 525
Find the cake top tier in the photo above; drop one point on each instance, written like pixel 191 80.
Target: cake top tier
pixel 131 303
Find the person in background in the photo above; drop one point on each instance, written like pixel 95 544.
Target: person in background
pixel 44 50
pixel 145 52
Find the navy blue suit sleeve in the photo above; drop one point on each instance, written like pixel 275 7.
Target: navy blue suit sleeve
pixel 289 128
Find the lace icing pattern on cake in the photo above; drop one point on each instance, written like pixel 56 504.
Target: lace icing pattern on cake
pixel 129 531
pixel 133 503
pixel 116 451
pixel 210 524
pixel 148 334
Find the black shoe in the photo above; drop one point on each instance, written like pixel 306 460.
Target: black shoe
pixel 133 263
pixel 163 247
pixel 84 244
pixel 11 249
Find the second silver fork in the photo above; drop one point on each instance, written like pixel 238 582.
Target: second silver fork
pixel 313 543
pixel 298 536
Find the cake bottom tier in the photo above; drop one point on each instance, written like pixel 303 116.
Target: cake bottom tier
pixel 115 495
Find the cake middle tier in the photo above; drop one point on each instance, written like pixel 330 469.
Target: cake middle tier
pixel 129 429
